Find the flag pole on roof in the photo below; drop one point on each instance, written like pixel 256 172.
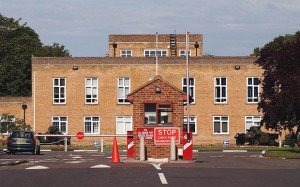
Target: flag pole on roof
pixel 156 62
pixel 187 85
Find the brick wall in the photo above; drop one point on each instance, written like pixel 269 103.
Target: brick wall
pixel 138 43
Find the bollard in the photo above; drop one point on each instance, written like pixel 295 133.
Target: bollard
pixel 101 145
pixel 66 144
pixel 173 148
pixel 142 148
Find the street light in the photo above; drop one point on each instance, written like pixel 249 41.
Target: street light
pixel 24 107
pixel 196 46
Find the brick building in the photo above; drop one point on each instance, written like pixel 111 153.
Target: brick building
pixel 145 45
pixel 89 94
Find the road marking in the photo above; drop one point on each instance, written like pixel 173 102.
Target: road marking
pixel 157 166
pixel 77 157
pixel 162 178
pixel 217 156
pixel 38 167
pixel 74 162
pixel 100 166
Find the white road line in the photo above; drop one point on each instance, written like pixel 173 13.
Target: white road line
pixel 157 166
pixel 162 178
pixel 38 167
pixel 100 166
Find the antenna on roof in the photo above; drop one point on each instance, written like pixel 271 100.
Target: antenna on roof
pixel 174 30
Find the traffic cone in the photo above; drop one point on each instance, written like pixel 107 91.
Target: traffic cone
pixel 115 152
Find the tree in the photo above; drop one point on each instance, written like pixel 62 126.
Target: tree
pixel 18 43
pixel 9 123
pixel 280 98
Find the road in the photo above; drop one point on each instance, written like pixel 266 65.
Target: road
pixel 96 169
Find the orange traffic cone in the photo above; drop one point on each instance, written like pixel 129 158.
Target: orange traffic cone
pixel 115 152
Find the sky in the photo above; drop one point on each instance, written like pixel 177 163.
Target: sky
pixel 229 27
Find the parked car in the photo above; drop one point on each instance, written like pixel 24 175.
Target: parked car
pixel 255 136
pixel 23 141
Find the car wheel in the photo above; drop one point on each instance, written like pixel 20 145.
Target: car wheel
pixel 271 142
pixel 255 141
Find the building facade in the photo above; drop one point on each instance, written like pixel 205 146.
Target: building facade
pixel 146 45
pixel 89 94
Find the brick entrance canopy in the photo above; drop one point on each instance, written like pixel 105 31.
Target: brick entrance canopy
pixel 156 104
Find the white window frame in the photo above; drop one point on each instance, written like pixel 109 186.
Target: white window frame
pixel 93 122
pixel 182 52
pixel 193 121
pixel 122 99
pixel 126 124
pixel 253 120
pixel 221 121
pixel 152 52
pixel 127 53
pixel 254 90
pixel 93 89
pixel 221 99
pixel 61 122
pixel 62 97
pixel 192 88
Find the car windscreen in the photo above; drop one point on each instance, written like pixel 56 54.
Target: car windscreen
pixel 22 135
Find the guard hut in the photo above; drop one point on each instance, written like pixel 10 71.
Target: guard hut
pixel 158 110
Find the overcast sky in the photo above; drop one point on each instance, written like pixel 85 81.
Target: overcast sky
pixel 229 27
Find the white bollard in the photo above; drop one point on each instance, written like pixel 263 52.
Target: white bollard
pixel 101 145
pixel 66 144
pixel 142 148
pixel 173 148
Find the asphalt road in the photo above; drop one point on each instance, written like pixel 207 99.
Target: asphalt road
pixel 96 169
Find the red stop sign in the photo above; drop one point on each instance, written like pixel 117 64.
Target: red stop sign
pixel 79 135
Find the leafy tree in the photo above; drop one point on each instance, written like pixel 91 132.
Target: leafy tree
pixel 280 98
pixel 18 43
pixel 9 123
pixel 52 51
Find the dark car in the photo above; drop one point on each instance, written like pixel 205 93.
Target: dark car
pixel 23 141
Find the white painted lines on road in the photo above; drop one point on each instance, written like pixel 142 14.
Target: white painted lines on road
pixel 157 166
pixel 38 167
pixel 162 178
pixel 100 166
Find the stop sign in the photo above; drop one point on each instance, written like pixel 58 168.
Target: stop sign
pixel 79 135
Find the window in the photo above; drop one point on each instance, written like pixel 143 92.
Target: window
pixel 220 90
pixel 182 52
pixel 191 86
pixel 221 125
pixel 123 124
pixel 123 89
pixel 126 53
pixel 252 121
pixel 91 90
pixel 91 125
pixel 193 124
pixel 252 89
pixel 160 114
pixel 59 90
pixel 151 53
pixel 61 122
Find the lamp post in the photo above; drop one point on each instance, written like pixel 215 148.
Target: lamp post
pixel 115 46
pixel 24 107
pixel 196 47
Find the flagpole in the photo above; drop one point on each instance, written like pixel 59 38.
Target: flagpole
pixel 187 86
pixel 156 62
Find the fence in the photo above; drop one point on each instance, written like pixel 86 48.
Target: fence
pixel 65 138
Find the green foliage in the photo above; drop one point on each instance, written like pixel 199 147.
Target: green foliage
pixel 280 99
pixel 52 51
pixel 9 123
pixel 18 43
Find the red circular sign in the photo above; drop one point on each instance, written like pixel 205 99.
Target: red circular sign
pixel 79 135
